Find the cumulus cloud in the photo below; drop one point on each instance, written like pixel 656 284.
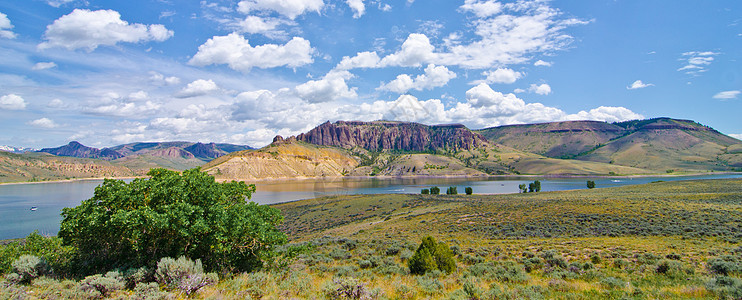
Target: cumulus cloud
pixel 727 95
pixel 43 66
pixel 43 123
pixel 482 9
pixel 361 60
pixel 331 87
pixel 502 75
pixel 357 6
pixel 120 108
pixel 541 63
pixel 5 27
pixel 88 29
pixel 606 114
pixel 12 102
pixel 508 37
pixel 290 9
pixel 434 76
pixel 158 78
pixel 196 88
pixel 236 52
pixel 262 25
pixel 638 85
pixel 138 96
pixel 696 62
pixel 415 51
pixel 541 89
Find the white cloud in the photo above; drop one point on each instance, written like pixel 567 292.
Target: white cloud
pixel 87 29
pixel 482 9
pixel 727 95
pixel 434 76
pixel 330 88
pixel 158 78
pixel 262 25
pixel 236 52
pixel 58 3
pixel 138 96
pixel 290 9
pixel 736 136
pixel 415 51
pixel 606 114
pixel 638 85
pixel 357 6
pixel 5 27
pixel 696 62
pixel 43 66
pixel 541 63
pixel 504 39
pixel 119 108
pixel 43 123
pixel 502 75
pixel 361 60
pixel 56 103
pixel 196 88
pixel 541 89
pixel 12 102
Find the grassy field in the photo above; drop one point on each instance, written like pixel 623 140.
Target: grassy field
pixel 672 240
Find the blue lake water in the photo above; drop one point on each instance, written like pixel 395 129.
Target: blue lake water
pixel 17 220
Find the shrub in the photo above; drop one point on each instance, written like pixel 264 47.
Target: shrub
pixel 51 249
pixel 28 267
pixel 349 288
pixel 452 191
pixel 435 190
pixel 133 276
pixel 431 256
pixel 469 190
pixel 725 287
pixel 425 191
pixel 590 184
pixel 169 215
pixel 612 282
pixel 149 291
pixel 595 259
pixel 102 284
pixel 723 265
pixel 183 274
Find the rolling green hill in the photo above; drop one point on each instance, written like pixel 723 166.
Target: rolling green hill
pixel 660 144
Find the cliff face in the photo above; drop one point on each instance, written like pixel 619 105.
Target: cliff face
pixel 377 136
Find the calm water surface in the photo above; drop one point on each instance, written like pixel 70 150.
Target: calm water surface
pixel 17 220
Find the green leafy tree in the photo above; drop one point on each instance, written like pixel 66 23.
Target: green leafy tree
pixel 531 187
pixel 431 256
pixel 537 186
pixel 452 190
pixel 171 215
pixel 469 190
pixel 425 191
pixel 590 184
pixel 435 190
pixel 522 187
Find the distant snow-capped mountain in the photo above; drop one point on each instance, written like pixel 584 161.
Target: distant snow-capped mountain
pixel 16 149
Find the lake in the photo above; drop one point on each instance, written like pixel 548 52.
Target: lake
pixel 17 220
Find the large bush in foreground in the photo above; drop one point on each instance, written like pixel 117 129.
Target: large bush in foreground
pixel 171 215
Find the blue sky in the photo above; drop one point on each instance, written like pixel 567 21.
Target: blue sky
pixel 112 72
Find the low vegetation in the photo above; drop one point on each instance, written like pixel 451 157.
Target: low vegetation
pixel 669 240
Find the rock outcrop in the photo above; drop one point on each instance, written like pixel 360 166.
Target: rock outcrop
pixel 401 136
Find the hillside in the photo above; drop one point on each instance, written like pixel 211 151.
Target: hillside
pixel 75 149
pixel 43 167
pixel 661 144
pixel 353 150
